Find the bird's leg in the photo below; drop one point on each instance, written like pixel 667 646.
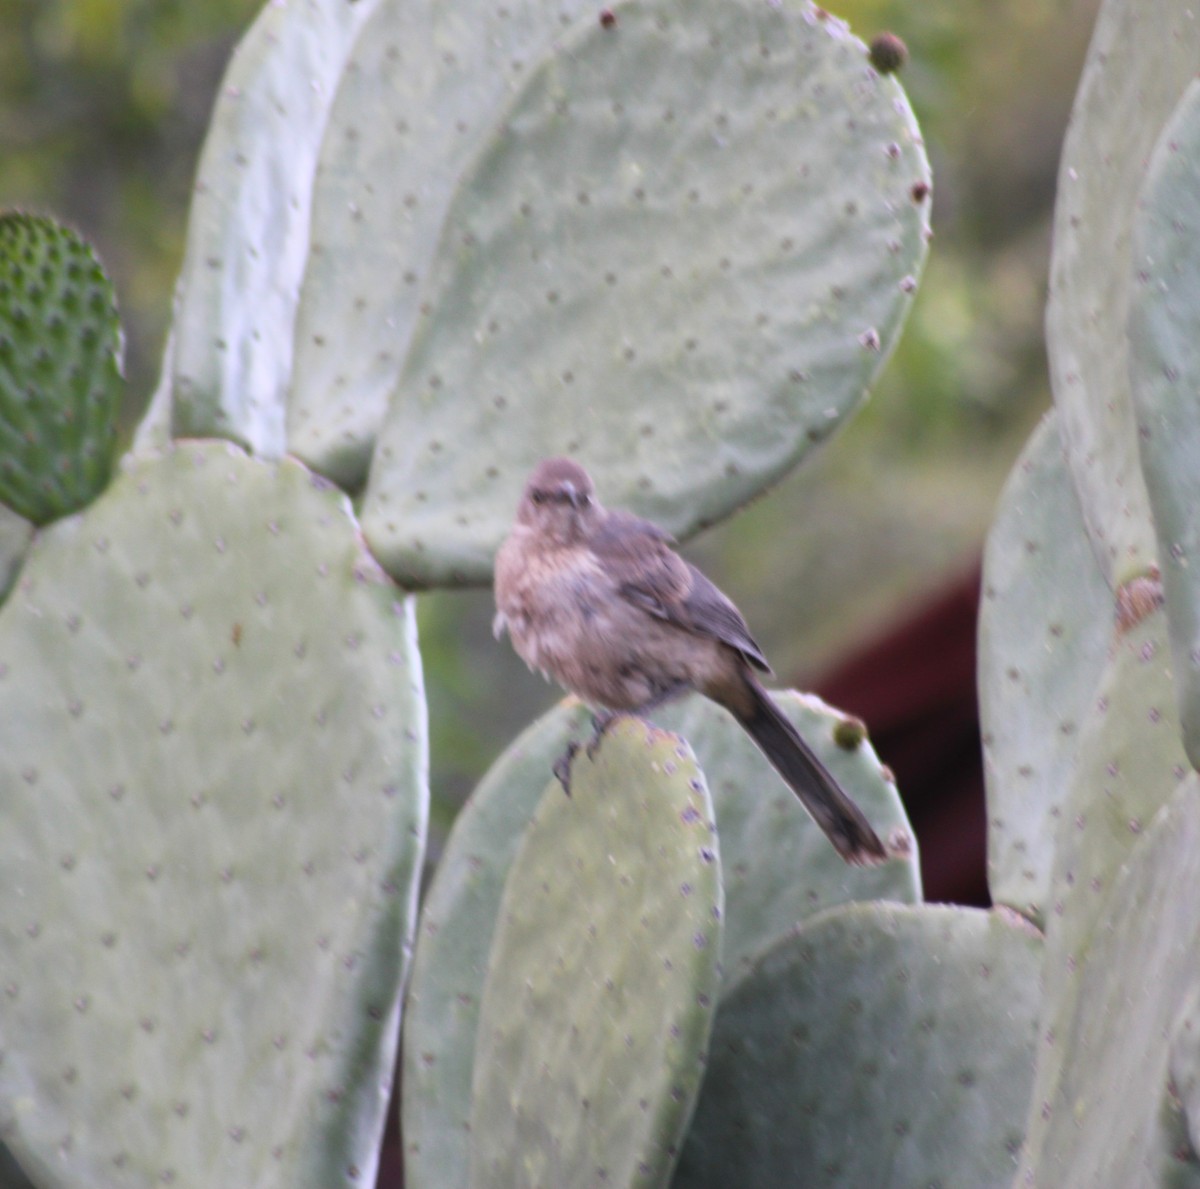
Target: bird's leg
pixel 605 718
pixel 562 766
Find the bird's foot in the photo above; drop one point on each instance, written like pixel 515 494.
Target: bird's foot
pixel 562 766
pixel 600 724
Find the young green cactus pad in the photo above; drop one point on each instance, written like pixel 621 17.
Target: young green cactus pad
pixel 1164 370
pixel 1130 762
pixel 777 868
pixel 1045 625
pixel 231 355
pixel 1124 1111
pixel 15 535
pixel 60 370
pixel 878 1045
pixel 1143 54
pixel 212 812
pixel 682 256
pixel 603 973
pixel 421 92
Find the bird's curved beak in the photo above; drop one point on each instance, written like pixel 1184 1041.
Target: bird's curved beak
pixel 573 495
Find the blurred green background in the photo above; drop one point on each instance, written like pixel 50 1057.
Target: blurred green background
pixel 103 107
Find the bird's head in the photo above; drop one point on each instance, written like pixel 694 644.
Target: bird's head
pixel 559 500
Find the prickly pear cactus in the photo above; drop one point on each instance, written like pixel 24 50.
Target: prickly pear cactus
pixel 406 121
pixel 603 975
pixel 212 765
pixel 1142 56
pixel 1124 1110
pixel 1165 375
pixel 60 375
pixel 1045 626
pixel 231 357
pixel 913 1025
pixel 777 867
pixel 686 276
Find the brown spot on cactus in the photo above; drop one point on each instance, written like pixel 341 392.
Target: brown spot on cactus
pixel 887 53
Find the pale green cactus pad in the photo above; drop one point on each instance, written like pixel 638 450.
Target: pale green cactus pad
pixel 212 813
pixel 1130 762
pixel 878 1045
pixel 420 94
pixel 1124 1111
pixel 1142 56
pixel 603 974
pixel 231 355
pixel 60 374
pixel 1046 620
pixel 684 276
pixel 1165 373
pixel 777 868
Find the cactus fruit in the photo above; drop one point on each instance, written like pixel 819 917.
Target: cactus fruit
pixel 1045 624
pixel 1130 84
pixel 682 257
pixel 212 764
pixel 878 1044
pixel 603 974
pixel 1165 376
pixel 60 374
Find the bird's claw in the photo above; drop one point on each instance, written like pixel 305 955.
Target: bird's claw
pixel 562 766
pixel 600 725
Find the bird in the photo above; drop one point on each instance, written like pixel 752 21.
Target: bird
pixel 599 601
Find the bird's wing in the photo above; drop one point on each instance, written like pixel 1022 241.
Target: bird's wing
pixel 649 573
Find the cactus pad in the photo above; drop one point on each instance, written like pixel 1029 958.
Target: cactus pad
pixel 1045 623
pixel 1124 1111
pixel 1165 373
pixel 603 974
pixel 878 1045
pixel 60 371
pixel 1130 763
pixel 683 276
pixel 1142 56
pixel 777 867
pixel 212 767
pixel 231 355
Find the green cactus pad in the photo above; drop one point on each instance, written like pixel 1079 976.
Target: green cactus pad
pixel 212 812
pixel 60 370
pixel 421 93
pixel 777 867
pixel 15 535
pixel 683 257
pixel 232 340
pixel 1165 374
pixel 458 919
pixel 603 974
pixel 1142 56
pixel 1130 761
pixel 1124 1109
pixel 1045 624
pixel 878 1045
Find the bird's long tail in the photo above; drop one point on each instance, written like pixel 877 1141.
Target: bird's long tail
pixel 842 820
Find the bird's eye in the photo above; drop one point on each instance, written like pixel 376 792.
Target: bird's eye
pixel 538 497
